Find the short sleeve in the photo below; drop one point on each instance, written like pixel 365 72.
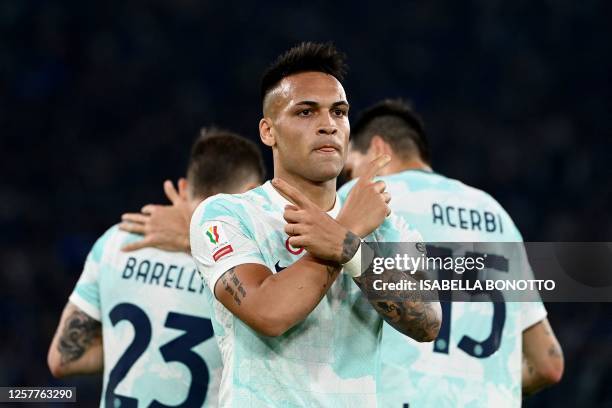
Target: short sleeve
pixel 220 240
pixel 86 293
pixel 531 312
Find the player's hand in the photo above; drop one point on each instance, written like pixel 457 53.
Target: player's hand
pixel 367 203
pixel 163 226
pixel 310 228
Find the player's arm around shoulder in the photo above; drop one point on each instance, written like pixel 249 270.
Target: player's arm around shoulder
pixel 233 267
pixel 543 361
pixel 76 347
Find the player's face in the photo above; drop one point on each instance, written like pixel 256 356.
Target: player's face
pixel 310 126
pixel 357 162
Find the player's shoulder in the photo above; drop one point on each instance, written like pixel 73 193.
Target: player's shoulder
pixel 110 243
pixel 224 207
pixel 412 180
pixel 480 196
pixel 418 181
pixel 486 201
pixel 429 180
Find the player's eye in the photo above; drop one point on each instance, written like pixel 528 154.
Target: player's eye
pixel 340 112
pixel 305 112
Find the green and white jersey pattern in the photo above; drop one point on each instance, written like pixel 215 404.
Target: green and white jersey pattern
pixel 331 358
pixel 476 359
pixel 157 334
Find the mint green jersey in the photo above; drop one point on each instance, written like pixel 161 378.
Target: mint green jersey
pixel 157 334
pixel 328 360
pixel 476 359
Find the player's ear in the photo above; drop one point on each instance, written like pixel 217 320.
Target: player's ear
pixel 265 132
pixel 379 146
pixel 182 188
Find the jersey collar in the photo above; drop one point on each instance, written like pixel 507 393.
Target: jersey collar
pixel 281 201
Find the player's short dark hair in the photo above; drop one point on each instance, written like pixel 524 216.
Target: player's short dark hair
pixel 396 122
pixel 304 57
pixel 221 161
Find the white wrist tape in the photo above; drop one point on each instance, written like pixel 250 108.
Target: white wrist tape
pixel 353 267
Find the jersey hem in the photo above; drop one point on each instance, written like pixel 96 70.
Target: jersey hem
pixel 89 309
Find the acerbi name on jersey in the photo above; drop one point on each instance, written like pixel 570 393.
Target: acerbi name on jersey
pixel 464 285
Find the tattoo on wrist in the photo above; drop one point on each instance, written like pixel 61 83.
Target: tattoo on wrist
pixel 349 247
pixel 77 336
pixel 233 286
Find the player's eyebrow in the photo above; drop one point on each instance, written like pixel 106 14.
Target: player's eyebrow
pixel 340 103
pixel 316 104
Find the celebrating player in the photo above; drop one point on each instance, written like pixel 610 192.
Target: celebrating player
pixel 476 359
pixel 293 330
pixel 142 316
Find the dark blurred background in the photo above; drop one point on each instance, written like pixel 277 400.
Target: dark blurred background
pixel 99 102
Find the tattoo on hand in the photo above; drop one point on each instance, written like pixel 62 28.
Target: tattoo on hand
pixel 233 286
pixel 349 247
pixel 77 336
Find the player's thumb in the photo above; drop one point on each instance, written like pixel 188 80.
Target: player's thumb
pixel 171 192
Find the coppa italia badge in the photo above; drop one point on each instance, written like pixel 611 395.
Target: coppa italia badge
pixel 217 241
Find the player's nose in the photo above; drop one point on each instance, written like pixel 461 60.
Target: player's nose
pixel 327 126
pixel 327 130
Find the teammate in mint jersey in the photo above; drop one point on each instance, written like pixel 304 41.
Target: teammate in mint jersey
pixel 461 368
pixel 143 316
pixel 293 330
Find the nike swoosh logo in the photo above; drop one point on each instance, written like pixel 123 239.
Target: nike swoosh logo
pixel 278 267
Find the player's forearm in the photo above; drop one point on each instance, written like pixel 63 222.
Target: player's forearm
pixel 290 296
pixel 531 382
pixel 411 312
pixel 534 380
pixel 543 361
pixel 91 362
pixel 77 345
pixel 281 300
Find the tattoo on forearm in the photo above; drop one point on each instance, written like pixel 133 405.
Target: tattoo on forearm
pixel 349 246
pixel 412 312
pixel 78 334
pixel 233 286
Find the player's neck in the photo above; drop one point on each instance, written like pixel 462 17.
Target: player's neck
pixel 397 166
pixel 322 194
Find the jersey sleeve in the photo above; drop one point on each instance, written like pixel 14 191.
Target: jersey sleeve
pixel 220 240
pixel 86 293
pixel 531 312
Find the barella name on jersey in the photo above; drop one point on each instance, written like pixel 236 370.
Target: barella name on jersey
pixel 161 274
pixel 466 218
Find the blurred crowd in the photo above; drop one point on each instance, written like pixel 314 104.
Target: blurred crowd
pixel 100 101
